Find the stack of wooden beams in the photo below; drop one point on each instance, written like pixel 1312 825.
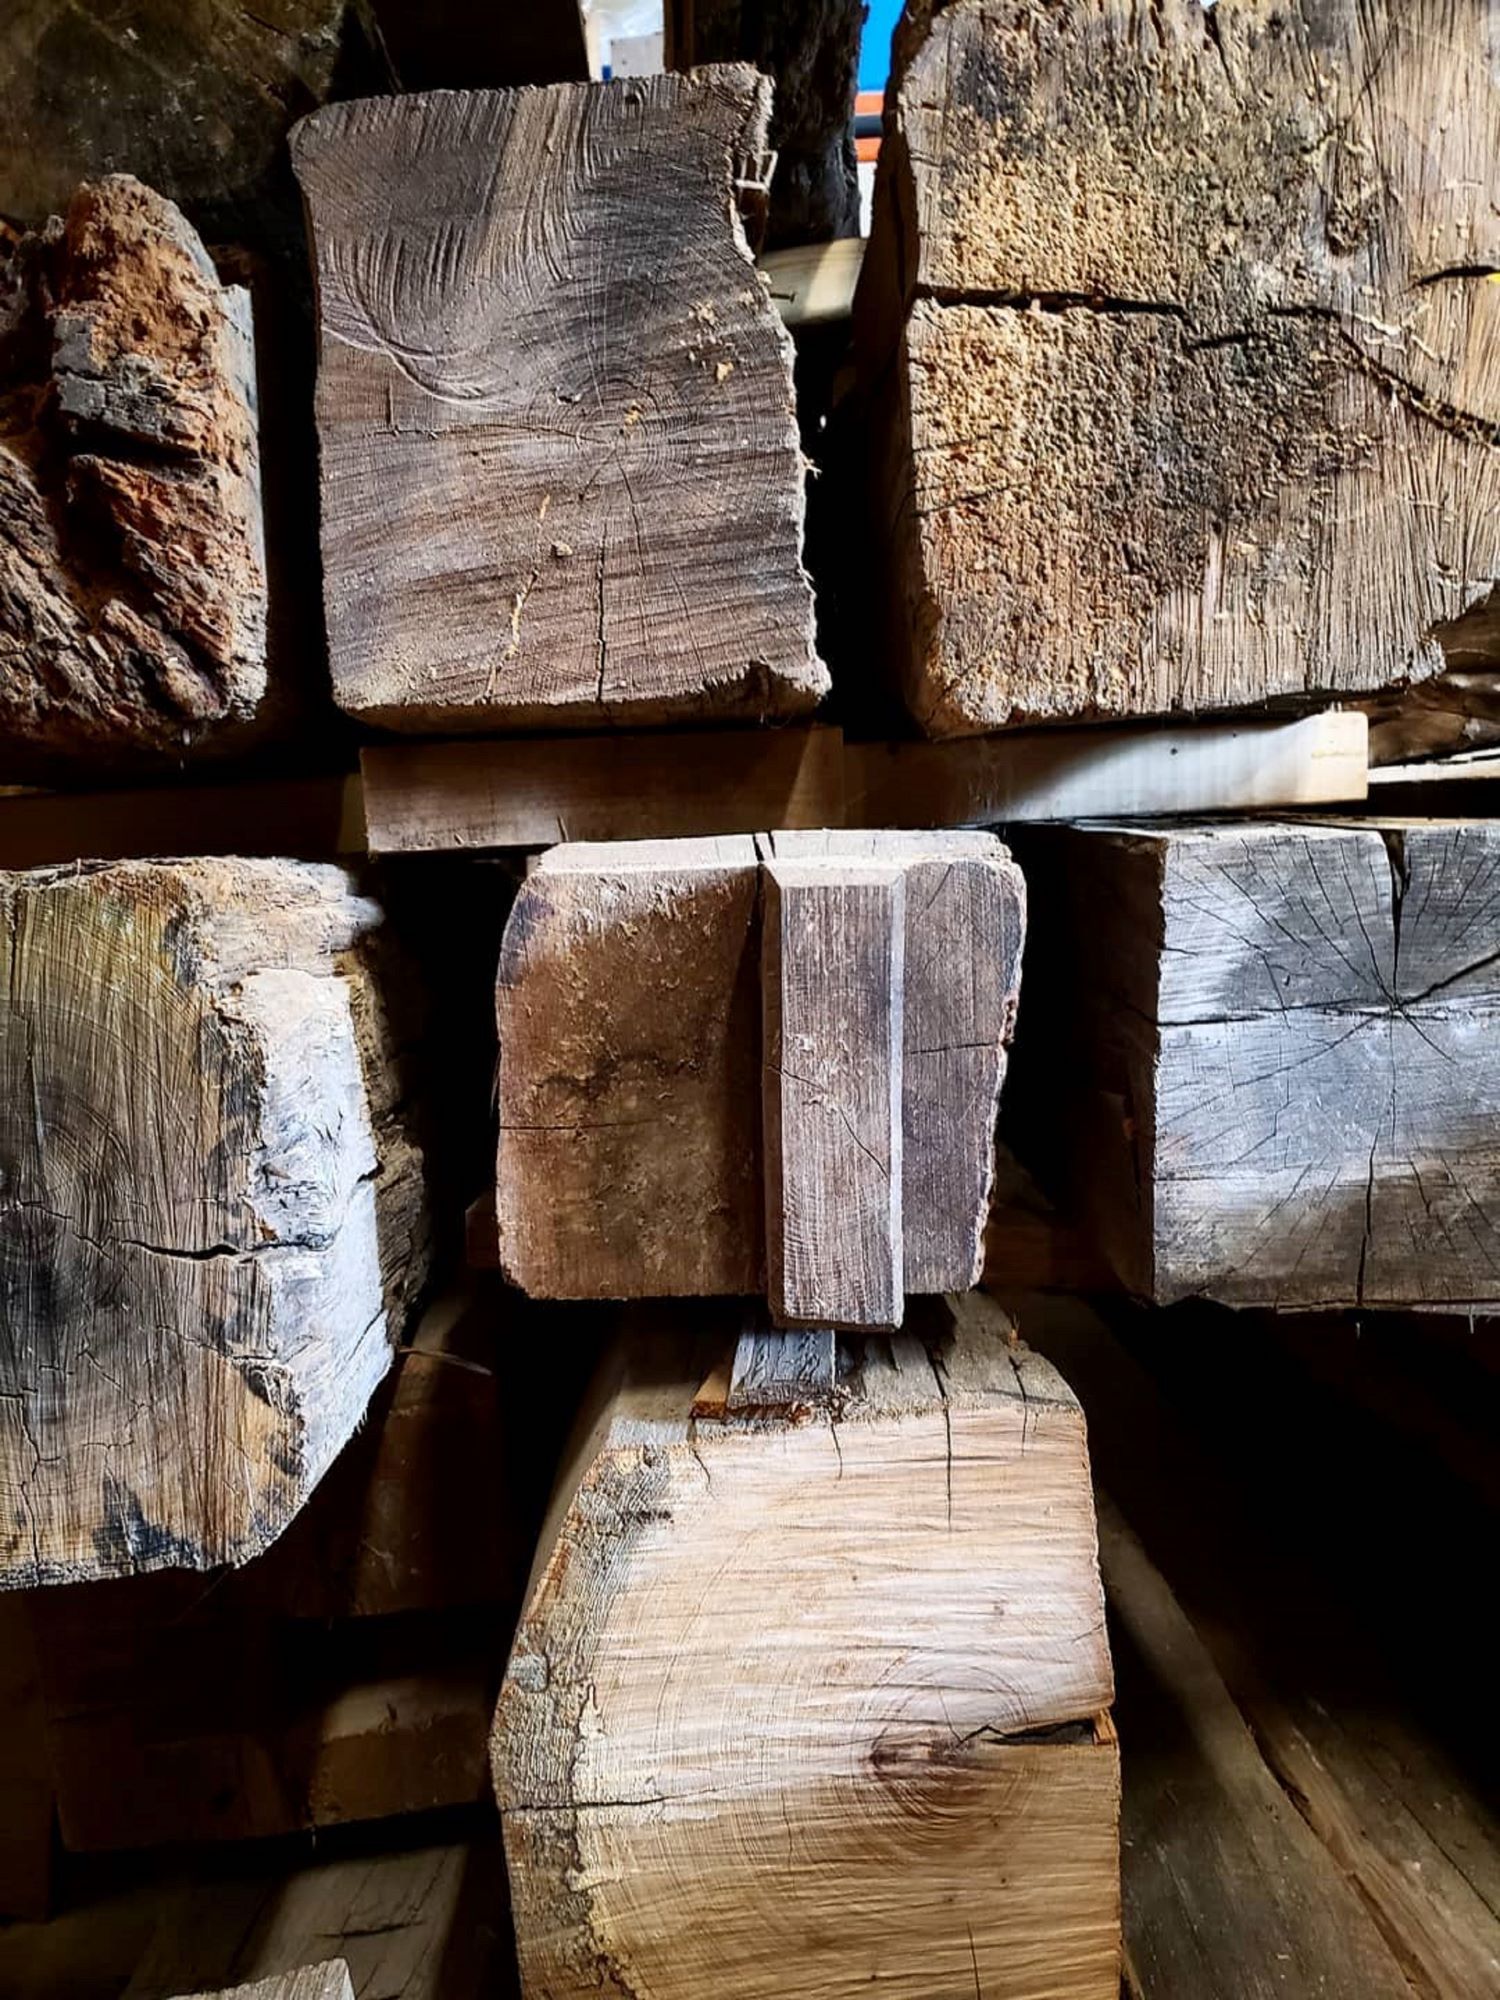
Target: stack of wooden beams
pixel 725 1535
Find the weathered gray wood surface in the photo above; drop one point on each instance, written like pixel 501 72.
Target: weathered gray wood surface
pixel 329 1981
pixel 810 50
pixel 1224 429
pixel 1278 1046
pixel 629 1007
pixel 213 1207
pixel 833 984
pixel 784 1372
pixel 685 1556
pixel 132 571
pixel 560 467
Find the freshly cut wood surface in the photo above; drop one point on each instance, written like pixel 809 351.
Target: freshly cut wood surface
pixel 1276 1045
pixel 904 1602
pixel 214 1209
pixel 132 571
pixel 329 1981
pixel 561 477
pixel 432 798
pixel 630 1092
pixel 1223 429
pixel 833 991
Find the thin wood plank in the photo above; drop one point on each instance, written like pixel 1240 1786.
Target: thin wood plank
pixel 782 1372
pixel 435 798
pixel 561 477
pixel 306 819
pixel 1358 1720
pixel 1204 1816
pixel 832 973
pixel 813 285
pixel 1109 773
pixel 442 797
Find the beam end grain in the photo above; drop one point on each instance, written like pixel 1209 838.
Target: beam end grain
pixel 562 484
pixel 1276 1042
pixel 214 1206
pixel 1224 432
pixel 686 1555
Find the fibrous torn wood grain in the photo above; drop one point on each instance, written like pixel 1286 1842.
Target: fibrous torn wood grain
pixel 132 572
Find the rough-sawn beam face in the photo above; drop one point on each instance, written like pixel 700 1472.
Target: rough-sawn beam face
pixel 645 1148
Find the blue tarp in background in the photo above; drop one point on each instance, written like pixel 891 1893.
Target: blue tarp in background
pixel 875 48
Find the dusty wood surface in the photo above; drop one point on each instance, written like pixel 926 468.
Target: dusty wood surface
pixel 1225 430
pixel 942 1513
pixel 833 991
pixel 1272 1686
pixel 432 798
pixel 132 571
pixel 810 50
pixel 560 467
pixel 429 798
pixel 328 1981
pixel 1276 1042
pixel 192 96
pixel 631 1131
pixel 214 1208
pixel 629 1020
